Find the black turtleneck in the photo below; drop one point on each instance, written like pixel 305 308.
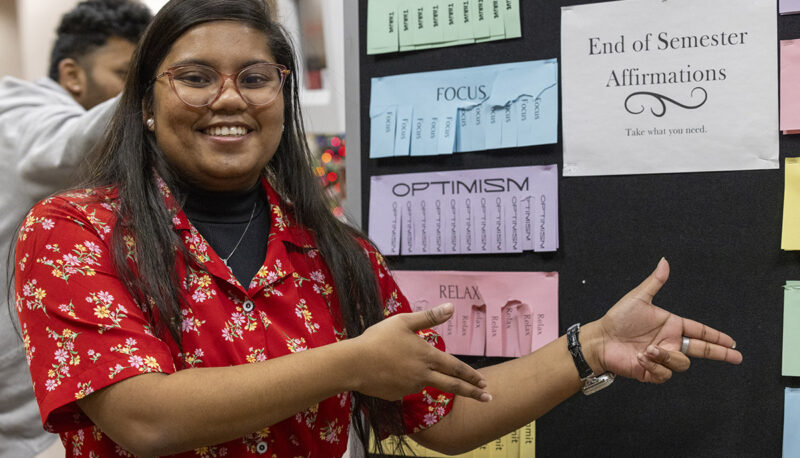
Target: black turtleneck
pixel 221 217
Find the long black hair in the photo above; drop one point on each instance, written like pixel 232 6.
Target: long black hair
pixel 128 155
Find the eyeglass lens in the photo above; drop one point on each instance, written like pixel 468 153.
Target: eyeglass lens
pixel 199 85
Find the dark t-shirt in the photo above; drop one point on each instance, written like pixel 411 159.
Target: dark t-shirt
pixel 235 224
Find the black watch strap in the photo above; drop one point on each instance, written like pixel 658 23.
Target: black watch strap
pixel 584 370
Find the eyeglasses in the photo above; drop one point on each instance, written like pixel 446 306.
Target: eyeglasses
pixel 200 85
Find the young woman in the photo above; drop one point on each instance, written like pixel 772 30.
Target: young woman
pixel 198 298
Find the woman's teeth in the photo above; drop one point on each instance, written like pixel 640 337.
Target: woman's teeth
pixel 235 131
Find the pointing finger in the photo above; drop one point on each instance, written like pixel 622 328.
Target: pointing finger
pixel 699 331
pixel 702 349
pixel 458 387
pixel 454 367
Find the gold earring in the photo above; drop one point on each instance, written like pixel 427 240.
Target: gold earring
pixel 151 123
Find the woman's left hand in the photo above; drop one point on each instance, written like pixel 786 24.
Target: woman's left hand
pixel 638 340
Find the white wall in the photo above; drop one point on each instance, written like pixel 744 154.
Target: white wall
pixel 323 110
pixel 28 38
pixel 9 53
pixel 155 5
pixel 37 21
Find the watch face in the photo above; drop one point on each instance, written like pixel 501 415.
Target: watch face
pixel 595 384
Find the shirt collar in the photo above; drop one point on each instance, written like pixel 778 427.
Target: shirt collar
pixel 283 229
pixel 282 226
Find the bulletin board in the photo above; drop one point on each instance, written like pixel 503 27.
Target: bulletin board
pixel 720 231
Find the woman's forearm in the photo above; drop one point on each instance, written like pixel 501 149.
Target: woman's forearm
pixel 157 414
pixel 523 390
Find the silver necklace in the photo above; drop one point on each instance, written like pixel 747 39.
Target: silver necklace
pixel 252 213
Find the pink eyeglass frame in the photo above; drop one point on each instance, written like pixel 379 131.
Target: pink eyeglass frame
pixel 284 72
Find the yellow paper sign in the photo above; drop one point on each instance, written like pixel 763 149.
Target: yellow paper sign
pixel 791 206
pixel 517 444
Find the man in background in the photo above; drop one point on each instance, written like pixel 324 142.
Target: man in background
pixel 46 128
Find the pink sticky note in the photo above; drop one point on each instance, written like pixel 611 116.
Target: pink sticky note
pixel 509 328
pixel 477 339
pixel 516 330
pixel 534 320
pixel 464 333
pixel 790 90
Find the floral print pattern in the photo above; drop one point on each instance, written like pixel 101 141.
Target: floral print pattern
pixel 64 356
pixel 81 260
pixel 197 245
pixel 199 283
pixel 437 409
pixel 331 432
pixel 147 363
pixel 237 324
pixel 301 310
pixel 256 355
pixel 193 359
pixel 30 224
pixel 103 310
pixel 392 305
pixel 296 344
pixel 84 389
pixel 266 276
pixel 32 296
pixel 308 416
pixel 189 322
pixel 26 342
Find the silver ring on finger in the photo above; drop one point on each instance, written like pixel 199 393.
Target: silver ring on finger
pixel 684 345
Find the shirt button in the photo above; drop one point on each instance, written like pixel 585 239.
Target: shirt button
pixel 261 448
pixel 248 306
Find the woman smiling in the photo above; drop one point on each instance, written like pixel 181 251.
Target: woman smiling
pixel 196 297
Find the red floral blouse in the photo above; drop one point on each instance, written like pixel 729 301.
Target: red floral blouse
pixel 83 331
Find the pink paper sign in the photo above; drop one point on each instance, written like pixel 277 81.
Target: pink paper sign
pixel 790 90
pixel 496 313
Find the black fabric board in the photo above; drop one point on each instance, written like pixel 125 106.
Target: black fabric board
pixel 720 231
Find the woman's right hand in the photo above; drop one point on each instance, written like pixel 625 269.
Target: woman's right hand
pixel 392 360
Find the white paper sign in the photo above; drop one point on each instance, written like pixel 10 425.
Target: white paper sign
pixel 659 86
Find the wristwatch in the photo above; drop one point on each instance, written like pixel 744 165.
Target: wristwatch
pixel 591 383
